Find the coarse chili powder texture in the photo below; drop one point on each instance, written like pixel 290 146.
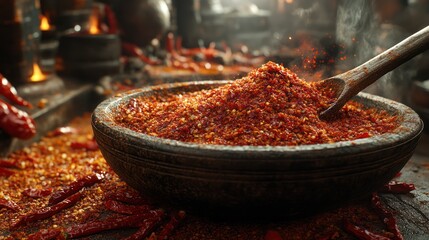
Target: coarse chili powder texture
pixel 270 106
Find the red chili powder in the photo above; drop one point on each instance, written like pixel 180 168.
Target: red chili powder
pixel 270 106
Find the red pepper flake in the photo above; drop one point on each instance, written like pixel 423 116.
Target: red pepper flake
pixel 272 235
pixel 90 145
pixel 37 193
pixel 329 236
pixel 47 212
pixel 9 204
pixel 119 207
pixel 168 228
pixel 397 187
pixel 362 233
pixel 270 106
pixel 387 217
pixel 363 135
pixel 75 187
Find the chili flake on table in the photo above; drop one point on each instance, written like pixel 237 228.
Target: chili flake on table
pixel 270 106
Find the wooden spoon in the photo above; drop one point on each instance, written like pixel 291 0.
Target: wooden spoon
pixel 348 84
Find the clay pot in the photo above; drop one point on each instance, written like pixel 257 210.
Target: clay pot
pixel 140 21
pixel 88 56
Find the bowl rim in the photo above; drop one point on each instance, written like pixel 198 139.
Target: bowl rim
pixel 410 127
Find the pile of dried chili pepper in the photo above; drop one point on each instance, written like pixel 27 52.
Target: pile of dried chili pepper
pixel 15 122
pixel 62 188
pixel 270 106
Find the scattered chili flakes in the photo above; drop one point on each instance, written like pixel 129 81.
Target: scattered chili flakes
pixel 270 106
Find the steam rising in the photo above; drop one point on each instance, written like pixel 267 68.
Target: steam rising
pixel 364 36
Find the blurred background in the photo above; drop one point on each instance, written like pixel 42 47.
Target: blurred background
pixel 156 41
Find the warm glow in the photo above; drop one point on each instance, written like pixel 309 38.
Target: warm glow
pixel 93 25
pixel 289 1
pixel 44 24
pixel 37 74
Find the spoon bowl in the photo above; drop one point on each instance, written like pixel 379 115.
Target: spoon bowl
pixel 348 84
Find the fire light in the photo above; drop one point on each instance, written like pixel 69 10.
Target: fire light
pixel 37 76
pixel 44 24
pixel 93 25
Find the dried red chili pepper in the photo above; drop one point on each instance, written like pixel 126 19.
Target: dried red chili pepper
pixel 47 212
pixel 47 234
pixel 111 223
pixel 119 207
pixel 62 131
pixel 15 122
pixel 185 65
pixel 387 216
pixel 9 204
pixel 172 224
pixel 169 46
pixel 397 187
pixel 37 193
pixel 90 145
pixel 134 51
pixel 146 228
pixel 111 20
pixel 272 235
pixel 4 172
pixel 8 164
pixel 7 90
pixel 363 234
pixel 75 187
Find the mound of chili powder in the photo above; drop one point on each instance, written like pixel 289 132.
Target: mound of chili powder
pixel 270 106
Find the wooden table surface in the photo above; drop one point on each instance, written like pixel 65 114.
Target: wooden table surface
pixel 412 210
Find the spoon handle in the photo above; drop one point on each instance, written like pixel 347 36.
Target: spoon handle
pixel 367 73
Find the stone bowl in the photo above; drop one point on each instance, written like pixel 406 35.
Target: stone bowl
pixel 285 180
